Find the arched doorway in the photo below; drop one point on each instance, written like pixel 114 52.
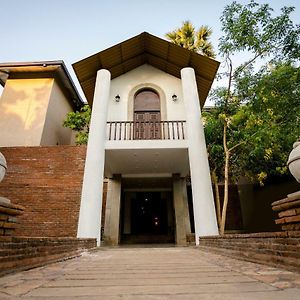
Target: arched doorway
pixel 147 115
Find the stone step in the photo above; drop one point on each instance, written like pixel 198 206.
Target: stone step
pixel 147 239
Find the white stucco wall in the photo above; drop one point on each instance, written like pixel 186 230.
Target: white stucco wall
pixel 142 77
pixel 54 133
pixel 23 106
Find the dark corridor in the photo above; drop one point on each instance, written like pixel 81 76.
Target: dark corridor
pixel 149 214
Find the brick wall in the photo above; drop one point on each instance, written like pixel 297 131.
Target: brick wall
pixel 19 253
pixel 279 249
pixel 9 214
pixel 47 182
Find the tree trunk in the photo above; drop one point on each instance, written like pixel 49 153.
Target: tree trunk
pixel 217 193
pixel 226 151
pixel 226 183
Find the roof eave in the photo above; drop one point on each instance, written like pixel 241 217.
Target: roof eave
pixel 141 49
pixel 65 77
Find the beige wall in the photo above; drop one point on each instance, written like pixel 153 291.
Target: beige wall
pixel 23 107
pixel 54 133
pixel 145 76
pixel 32 112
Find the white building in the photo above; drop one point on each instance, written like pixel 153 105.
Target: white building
pixel 146 136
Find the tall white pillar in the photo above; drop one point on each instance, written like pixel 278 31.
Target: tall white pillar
pixel 89 224
pixel 203 201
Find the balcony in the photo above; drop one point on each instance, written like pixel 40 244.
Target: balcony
pixel 157 148
pixel 147 130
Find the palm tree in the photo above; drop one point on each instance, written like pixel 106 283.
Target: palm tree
pixel 187 37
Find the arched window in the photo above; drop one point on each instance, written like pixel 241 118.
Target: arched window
pixel 147 115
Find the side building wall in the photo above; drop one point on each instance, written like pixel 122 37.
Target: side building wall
pixel 47 182
pixel 23 109
pixel 32 112
pixel 54 133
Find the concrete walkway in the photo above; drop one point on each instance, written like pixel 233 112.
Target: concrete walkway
pixel 152 273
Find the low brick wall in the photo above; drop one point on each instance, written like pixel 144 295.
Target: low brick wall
pixel 9 217
pixel 279 249
pixel 190 239
pixel 18 253
pixel 288 210
pixel 47 182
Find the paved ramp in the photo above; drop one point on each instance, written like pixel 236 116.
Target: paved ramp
pixel 152 273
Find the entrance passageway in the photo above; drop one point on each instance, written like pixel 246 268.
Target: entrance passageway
pixel 152 273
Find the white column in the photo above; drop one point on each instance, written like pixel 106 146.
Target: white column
pixel 203 201
pixel 89 224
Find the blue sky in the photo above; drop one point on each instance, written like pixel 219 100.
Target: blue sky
pixel 71 30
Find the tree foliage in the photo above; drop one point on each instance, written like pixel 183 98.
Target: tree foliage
pixel 267 124
pixel 248 121
pixel 252 27
pixel 79 121
pixel 188 37
pixel 273 111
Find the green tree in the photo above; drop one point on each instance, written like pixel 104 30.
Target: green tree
pixel 236 136
pixel 79 121
pixel 213 128
pixel 273 97
pixel 251 29
pixel 188 37
pixel 264 128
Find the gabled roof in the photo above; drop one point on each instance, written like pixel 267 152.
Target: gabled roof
pixel 145 49
pixel 41 69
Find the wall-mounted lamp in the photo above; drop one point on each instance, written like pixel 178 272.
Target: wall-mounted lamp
pixel 118 98
pixel 174 97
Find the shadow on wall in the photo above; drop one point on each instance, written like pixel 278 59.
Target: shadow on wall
pixel 23 111
pixel 257 214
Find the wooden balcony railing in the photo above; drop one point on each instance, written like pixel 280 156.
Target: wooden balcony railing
pixel 157 130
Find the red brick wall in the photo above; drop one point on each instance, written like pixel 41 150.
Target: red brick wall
pixel 47 182
pixel 19 253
